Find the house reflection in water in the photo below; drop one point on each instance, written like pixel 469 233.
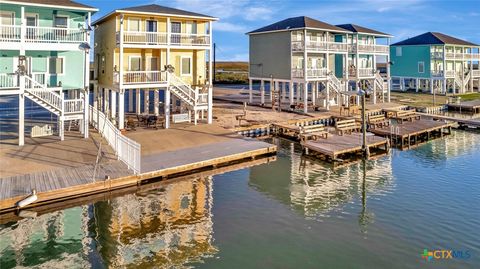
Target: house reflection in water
pixel 153 228
pixel 315 188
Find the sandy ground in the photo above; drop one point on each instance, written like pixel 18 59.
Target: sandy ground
pixel 41 154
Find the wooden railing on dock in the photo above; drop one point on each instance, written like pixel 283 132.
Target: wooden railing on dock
pixel 126 149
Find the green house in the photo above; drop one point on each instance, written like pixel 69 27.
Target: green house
pixel 435 62
pixel 44 56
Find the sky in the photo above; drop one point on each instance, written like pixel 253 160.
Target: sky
pixel 400 18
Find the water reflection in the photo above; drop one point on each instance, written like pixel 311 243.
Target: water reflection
pixel 317 189
pixel 167 227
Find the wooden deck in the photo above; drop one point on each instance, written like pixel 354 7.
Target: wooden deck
pixel 63 184
pixel 471 123
pixel 473 106
pixel 338 145
pixel 413 132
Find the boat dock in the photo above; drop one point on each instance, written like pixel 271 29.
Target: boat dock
pixel 335 147
pixel 472 106
pixel 414 132
pixel 471 123
pixel 58 184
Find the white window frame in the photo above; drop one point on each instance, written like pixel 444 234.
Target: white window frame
pixel 146 24
pixel 130 62
pixel 139 23
pixel 63 66
pixel 12 16
pixel 398 51
pixel 62 16
pixel 181 66
pixel 192 23
pixel 37 18
pixel 423 67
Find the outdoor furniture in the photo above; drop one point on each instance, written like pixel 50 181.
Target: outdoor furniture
pixel 347 126
pixel 406 115
pixel 130 124
pixel 313 132
pixel 142 119
pixel 242 116
pixel 380 121
pixel 152 122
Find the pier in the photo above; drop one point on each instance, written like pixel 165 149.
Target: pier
pixel 470 123
pixel 471 106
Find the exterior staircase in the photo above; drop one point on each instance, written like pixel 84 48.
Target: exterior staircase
pixel 192 97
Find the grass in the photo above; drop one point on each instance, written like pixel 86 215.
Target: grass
pixel 231 78
pixel 469 96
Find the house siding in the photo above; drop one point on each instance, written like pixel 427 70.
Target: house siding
pixel 407 64
pixel 270 55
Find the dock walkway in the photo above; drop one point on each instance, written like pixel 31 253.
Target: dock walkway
pixel 473 106
pixel 475 123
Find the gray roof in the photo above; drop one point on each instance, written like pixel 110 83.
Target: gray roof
pixel 298 23
pixel 164 10
pixel 360 29
pixel 433 38
pixel 59 3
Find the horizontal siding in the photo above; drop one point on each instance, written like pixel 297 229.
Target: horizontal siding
pixel 407 64
pixel 270 55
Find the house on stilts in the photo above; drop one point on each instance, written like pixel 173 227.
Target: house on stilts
pixel 435 62
pixel 153 60
pixel 309 63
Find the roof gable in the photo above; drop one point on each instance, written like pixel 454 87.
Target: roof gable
pixel 298 23
pixel 433 38
pixel 360 29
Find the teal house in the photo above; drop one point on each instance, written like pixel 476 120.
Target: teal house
pixel 44 56
pixel 435 62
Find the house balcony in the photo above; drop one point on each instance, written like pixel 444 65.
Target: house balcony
pixel 8 81
pixel 15 34
pixel 132 79
pixel 146 39
pixel 315 46
pixel 436 73
pixel 369 48
pixel 461 56
pixel 312 73
pixel 476 73
pixel 361 72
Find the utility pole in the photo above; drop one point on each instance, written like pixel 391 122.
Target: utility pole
pixel 214 61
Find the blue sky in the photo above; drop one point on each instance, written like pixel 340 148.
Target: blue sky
pixel 403 19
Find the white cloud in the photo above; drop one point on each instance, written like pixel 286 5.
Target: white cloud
pixel 229 27
pixel 258 13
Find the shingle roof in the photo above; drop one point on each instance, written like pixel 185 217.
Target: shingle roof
pixel 164 10
pixel 59 3
pixel 434 38
pixel 298 23
pixel 360 29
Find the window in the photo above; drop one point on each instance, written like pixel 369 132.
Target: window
pixel 135 63
pixel 6 18
pixel 398 51
pixel 421 67
pixel 191 27
pixel 61 21
pixel 186 66
pixel 55 66
pixel 134 24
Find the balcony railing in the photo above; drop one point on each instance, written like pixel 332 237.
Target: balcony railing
pixel 159 38
pixel 435 73
pixel 142 77
pixel 372 48
pixel 311 72
pixel 319 46
pixel 8 81
pixel 298 73
pixel 436 55
pixel 476 73
pixel 459 56
pixel 33 34
pixel 361 72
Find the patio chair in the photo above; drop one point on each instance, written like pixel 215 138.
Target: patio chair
pixel 152 122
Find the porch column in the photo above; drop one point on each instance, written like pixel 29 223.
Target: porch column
pixel 156 96
pixel 389 78
pixel 290 92
pixel 130 100
pixel 105 100
pixel 305 96
pixel 471 70
pixel 21 113
pixel 262 92
pixel 298 89
pixel 416 84
pixel 121 109
pixel 284 91
pixel 314 92
pixel 167 108
pixel 327 102
pixel 95 96
pixel 444 85
pixel 113 108
pixel 137 102
pixel 146 101
pixel 250 93
pixel 431 86
pixel 86 114
pixel 210 76
pixel 374 91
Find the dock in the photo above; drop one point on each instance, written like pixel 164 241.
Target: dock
pixel 472 106
pixel 158 163
pixel 470 123
pixel 414 132
pixel 336 147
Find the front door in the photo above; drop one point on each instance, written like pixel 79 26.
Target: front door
pixel 151 31
pixel 175 29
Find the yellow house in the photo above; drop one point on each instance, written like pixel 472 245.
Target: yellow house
pixel 153 52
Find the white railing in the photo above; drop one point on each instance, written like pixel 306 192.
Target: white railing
pixel 190 39
pixel 137 77
pixel 475 73
pixel 297 45
pixel 435 73
pixel 373 48
pixel 335 83
pixel 202 99
pixel 39 91
pixel 365 72
pixel 186 93
pixel 436 54
pixel 144 37
pixel 297 73
pixel 316 72
pixel 73 106
pixel 449 73
pixel 126 149
pixel 40 78
pixel 319 46
pixel 316 46
pixel 54 35
pixel 337 46
pixel 8 81
pixel 10 33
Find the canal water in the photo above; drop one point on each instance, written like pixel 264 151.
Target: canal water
pixel 294 212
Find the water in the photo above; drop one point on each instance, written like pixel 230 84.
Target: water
pixel 290 213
